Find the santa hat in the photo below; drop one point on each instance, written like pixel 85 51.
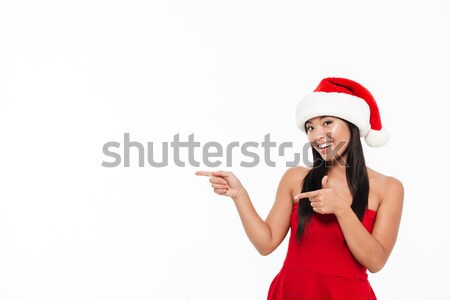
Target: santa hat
pixel 346 99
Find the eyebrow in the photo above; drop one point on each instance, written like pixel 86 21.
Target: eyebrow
pixel 320 118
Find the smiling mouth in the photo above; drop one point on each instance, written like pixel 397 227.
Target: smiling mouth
pixel 323 145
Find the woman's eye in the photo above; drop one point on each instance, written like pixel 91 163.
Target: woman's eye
pixel 307 128
pixel 328 122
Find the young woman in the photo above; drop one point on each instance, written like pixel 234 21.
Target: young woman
pixel 344 216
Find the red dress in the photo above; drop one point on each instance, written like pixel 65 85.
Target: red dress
pixel 321 266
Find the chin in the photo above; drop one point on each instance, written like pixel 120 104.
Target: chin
pixel 328 158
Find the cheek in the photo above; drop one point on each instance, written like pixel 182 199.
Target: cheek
pixel 334 132
pixel 340 133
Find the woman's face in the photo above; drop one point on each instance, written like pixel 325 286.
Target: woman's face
pixel 323 130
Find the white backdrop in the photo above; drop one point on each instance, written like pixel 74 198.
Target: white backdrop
pixel 75 75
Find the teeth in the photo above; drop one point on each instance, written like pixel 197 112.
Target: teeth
pixel 324 145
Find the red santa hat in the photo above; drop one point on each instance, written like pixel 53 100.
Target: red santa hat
pixel 346 99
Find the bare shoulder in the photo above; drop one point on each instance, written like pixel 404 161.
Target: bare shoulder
pixel 388 188
pixel 295 174
pixel 297 171
pixel 393 190
pixel 294 177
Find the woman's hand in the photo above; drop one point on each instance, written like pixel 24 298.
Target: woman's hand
pixel 325 200
pixel 224 183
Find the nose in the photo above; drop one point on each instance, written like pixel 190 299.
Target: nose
pixel 319 134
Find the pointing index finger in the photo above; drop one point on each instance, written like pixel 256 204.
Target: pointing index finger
pixel 305 195
pixel 203 173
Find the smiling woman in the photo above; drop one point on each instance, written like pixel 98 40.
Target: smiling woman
pixel 351 220
pixel 343 216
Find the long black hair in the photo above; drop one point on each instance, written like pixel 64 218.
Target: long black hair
pixel 357 180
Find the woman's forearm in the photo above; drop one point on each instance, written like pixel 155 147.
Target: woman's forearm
pixel 364 247
pixel 256 229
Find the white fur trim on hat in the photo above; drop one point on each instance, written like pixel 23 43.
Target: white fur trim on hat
pixel 377 138
pixel 342 105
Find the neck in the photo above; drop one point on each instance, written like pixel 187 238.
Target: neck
pixel 337 172
pixel 338 169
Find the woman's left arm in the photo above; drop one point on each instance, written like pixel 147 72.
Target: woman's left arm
pixel 373 250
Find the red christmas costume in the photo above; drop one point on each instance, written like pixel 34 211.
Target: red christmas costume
pixel 321 266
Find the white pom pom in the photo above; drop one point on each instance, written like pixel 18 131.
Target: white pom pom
pixel 377 138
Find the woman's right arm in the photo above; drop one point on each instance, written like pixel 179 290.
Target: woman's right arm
pixel 266 235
